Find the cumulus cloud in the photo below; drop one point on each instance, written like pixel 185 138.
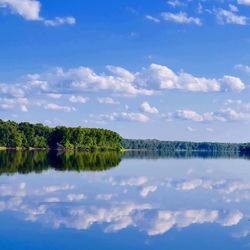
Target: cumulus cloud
pixel 123 116
pixel 145 191
pixel 75 197
pixel 15 90
pixel 230 17
pixel 105 197
pixel 245 2
pixel 107 100
pixel 189 115
pixel 55 188
pixel 166 220
pixel 30 10
pixel 223 115
pixel 13 103
pixel 117 81
pixel 129 181
pixel 78 99
pixel 55 95
pixel 52 199
pixel 73 212
pixel 145 106
pixel 242 67
pixel 167 79
pixel 81 79
pixel 181 17
pixel 56 107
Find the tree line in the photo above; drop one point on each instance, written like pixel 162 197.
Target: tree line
pixel 38 136
pixel 27 135
pixel 170 146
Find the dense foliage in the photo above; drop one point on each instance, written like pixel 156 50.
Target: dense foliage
pixel 27 135
pixel 155 145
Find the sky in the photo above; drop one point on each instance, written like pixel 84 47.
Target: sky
pixel 163 69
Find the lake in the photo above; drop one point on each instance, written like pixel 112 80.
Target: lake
pixel 135 200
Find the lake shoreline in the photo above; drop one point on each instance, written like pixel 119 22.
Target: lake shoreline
pixel 114 150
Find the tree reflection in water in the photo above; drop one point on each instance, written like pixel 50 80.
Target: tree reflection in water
pixel 25 162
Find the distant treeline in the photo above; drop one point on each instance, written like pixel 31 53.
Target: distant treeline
pixel 156 145
pixel 38 136
pixel 27 135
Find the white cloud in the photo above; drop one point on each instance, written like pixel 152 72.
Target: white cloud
pixel 11 90
pixel 123 116
pixel 76 99
pixel 55 188
pixel 13 103
pixel 52 199
pixel 105 197
pixel 145 106
pixel 81 79
pixel 245 2
pixel 130 116
pixel 166 220
pixel 244 68
pixel 175 3
pixel 189 115
pixel 181 17
pixel 35 81
pixel 167 79
pixel 120 82
pixel 153 19
pixel 231 83
pixel 190 129
pixel 107 100
pixel 30 10
pixel 223 115
pixel 75 197
pixel 145 191
pixel 230 17
pixel 55 95
pixel 56 107
pixel 233 218
pixel 233 8
pixel 130 181
pixel 60 21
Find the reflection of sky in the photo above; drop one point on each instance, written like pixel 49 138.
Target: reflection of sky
pixel 156 199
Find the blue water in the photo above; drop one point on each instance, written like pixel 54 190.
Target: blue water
pixel 160 203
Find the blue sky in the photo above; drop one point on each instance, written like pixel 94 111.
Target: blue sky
pixel 176 70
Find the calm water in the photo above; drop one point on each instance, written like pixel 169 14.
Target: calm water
pixel 133 201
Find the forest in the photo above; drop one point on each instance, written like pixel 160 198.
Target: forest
pixel 156 145
pixel 26 135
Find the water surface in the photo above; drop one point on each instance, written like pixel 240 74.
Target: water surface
pixel 134 201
